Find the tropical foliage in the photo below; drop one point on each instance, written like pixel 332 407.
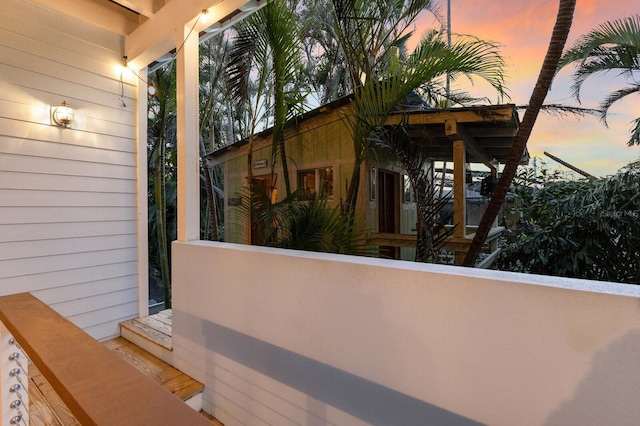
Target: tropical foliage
pixel 267 48
pixel 217 124
pixel 162 178
pixel 371 36
pixel 611 47
pixel 583 229
pixel 260 74
pixel 311 225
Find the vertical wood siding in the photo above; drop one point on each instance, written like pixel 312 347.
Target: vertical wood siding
pixel 67 196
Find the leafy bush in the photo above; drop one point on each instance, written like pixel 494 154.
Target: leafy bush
pixel 310 225
pixel 584 229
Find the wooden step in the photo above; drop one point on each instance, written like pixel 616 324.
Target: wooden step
pixel 150 329
pixel 153 334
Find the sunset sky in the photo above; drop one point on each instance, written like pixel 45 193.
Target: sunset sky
pixel 523 28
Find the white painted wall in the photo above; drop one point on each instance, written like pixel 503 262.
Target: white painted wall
pixel 297 338
pixel 67 196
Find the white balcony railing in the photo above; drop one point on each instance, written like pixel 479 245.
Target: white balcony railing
pixel 284 337
pixel 14 381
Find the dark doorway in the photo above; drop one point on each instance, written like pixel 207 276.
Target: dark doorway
pixel 387 217
pixel 264 183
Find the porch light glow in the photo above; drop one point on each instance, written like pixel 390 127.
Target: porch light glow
pixel 204 16
pixel 62 114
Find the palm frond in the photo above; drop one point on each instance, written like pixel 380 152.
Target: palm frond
pixel 613 45
pixel 561 110
pixel 616 96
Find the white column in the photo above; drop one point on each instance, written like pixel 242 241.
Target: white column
pixel 14 381
pixel 142 201
pixel 188 134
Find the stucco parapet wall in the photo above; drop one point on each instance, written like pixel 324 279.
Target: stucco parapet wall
pixel 393 342
pixel 603 287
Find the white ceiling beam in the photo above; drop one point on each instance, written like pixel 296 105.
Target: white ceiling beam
pixel 98 13
pixel 157 36
pixel 143 7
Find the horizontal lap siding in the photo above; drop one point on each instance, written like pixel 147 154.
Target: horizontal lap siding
pixel 67 196
pixel 240 395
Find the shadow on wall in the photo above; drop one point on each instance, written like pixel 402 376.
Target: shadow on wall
pixel 603 396
pixel 359 397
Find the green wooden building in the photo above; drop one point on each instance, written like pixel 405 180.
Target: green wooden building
pixel 321 155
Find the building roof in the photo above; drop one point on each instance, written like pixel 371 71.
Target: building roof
pixel 488 130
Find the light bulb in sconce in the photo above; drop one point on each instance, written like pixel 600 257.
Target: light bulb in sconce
pixel 151 89
pixel 204 16
pixel 62 114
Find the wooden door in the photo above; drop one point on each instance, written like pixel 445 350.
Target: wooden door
pixel 387 209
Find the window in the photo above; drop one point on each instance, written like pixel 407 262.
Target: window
pixel 407 189
pixel 316 180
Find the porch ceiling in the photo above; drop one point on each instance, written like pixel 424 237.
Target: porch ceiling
pixel 151 27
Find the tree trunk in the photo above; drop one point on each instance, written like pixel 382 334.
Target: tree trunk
pixel 424 225
pixel 161 223
pixel 561 29
pixel 352 192
pixel 212 217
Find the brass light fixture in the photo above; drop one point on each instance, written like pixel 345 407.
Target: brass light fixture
pixel 62 114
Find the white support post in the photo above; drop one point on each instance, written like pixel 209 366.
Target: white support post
pixel 142 201
pixel 188 135
pixel 14 381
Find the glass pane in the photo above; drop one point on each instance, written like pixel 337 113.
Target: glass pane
pixel 307 182
pixel 407 188
pixel 326 181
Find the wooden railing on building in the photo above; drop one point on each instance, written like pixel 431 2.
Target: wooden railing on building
pixel 97 386
pixel 454 244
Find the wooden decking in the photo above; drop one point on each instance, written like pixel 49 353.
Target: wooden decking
pixel 176 382
pixel 47 409
pixel 45 406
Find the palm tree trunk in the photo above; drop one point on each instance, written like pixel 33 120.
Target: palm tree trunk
pixel 424 238
pixel 561 29
pixel 212 217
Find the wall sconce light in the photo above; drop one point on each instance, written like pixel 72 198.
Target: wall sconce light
pixel 62 114
pixel 151 89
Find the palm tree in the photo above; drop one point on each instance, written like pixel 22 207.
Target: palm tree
pixel 561 29
pixel 326 68
pixel 161 133
pixel 213 112
pixel 612 46
pixel 372 36
pixel 269 42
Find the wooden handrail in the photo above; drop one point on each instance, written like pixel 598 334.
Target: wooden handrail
pixel 98 387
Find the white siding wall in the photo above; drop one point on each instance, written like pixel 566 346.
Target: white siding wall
pixel 288 338
pixel 67 196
